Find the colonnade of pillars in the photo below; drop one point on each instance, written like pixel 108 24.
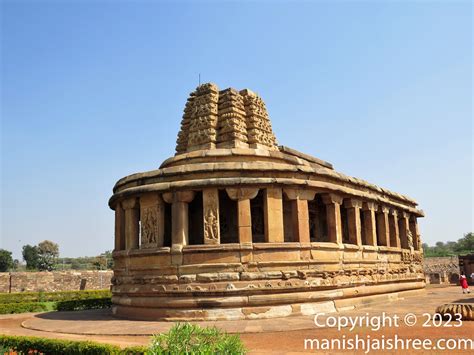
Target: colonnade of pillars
pixel 140 222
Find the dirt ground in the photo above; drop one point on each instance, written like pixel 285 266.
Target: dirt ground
pixel 288 341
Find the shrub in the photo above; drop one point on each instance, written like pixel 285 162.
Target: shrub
pixel 27 345
pixel 21 297
pixel 9 308
pixel 80 305
pixel 186 338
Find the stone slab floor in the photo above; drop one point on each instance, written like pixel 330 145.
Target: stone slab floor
pixel 283 335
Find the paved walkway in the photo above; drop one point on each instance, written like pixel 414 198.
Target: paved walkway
pixel 284 335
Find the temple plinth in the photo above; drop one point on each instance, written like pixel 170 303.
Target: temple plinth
pixel 234 226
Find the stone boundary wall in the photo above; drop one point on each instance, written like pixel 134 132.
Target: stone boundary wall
pixel 441 270
pixel 55 280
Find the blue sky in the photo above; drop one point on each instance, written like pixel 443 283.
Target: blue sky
pixel 94 90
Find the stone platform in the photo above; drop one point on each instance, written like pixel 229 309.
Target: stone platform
pixel 102 322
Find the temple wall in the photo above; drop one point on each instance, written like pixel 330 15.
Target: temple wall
pixel 55 281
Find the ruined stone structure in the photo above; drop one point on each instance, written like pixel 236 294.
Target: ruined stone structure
pixel 235 226
pixel 442 270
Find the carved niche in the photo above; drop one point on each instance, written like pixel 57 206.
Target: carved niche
pixel 149 226
pixel 151 221
pixel 211 216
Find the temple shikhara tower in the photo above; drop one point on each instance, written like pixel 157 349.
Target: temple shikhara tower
pixel 235 226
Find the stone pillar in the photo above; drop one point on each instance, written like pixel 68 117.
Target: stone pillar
pixel 299 213
pixel 353 207
pixel 119 227
pixel 383 226
pixel 179 217
pixel 244 216
pixel 415 233
pixel 210 205
pixel 404 229
pixel 394 234
pixel 132 218
pixel 333 212
pixel 152 216
pixel 273 213
pixel 370 223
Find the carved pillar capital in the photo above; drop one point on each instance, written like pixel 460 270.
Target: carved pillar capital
pixel 178 196
pixel 150 199
pixel 393 212
pixel 332 199
pixel 129 203
pixel 244 193
pixel 299 194
pixel 369 206
pixel 404 214
pixel 384 209
pixel 352 203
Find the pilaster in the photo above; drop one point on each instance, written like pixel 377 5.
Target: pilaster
pixel 404 229
pixel 119 227
pixel 394 233
pixel 244 217
pixel 353 207
pixel 132 217
pixel 299 212
pixel 369 209
pixel 179 217
pixel 383 226
pixel 273 214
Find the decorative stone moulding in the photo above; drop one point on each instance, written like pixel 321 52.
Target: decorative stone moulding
pixel 234 226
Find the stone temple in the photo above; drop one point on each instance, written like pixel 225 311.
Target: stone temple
pixel 234 226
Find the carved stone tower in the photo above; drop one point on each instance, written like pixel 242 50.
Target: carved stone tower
pixel 224 119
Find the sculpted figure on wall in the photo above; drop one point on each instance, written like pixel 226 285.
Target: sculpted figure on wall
pixel 149 226
pixel 211 227
pixel 211 216
pixel 410 239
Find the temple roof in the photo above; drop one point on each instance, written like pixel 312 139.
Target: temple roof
pixel 224 119
pixel 226 140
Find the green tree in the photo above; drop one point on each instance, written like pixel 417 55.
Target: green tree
pixel 6 260
pixel 110 260
pixel 466 244
pixel 31 256
pixel 48 252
